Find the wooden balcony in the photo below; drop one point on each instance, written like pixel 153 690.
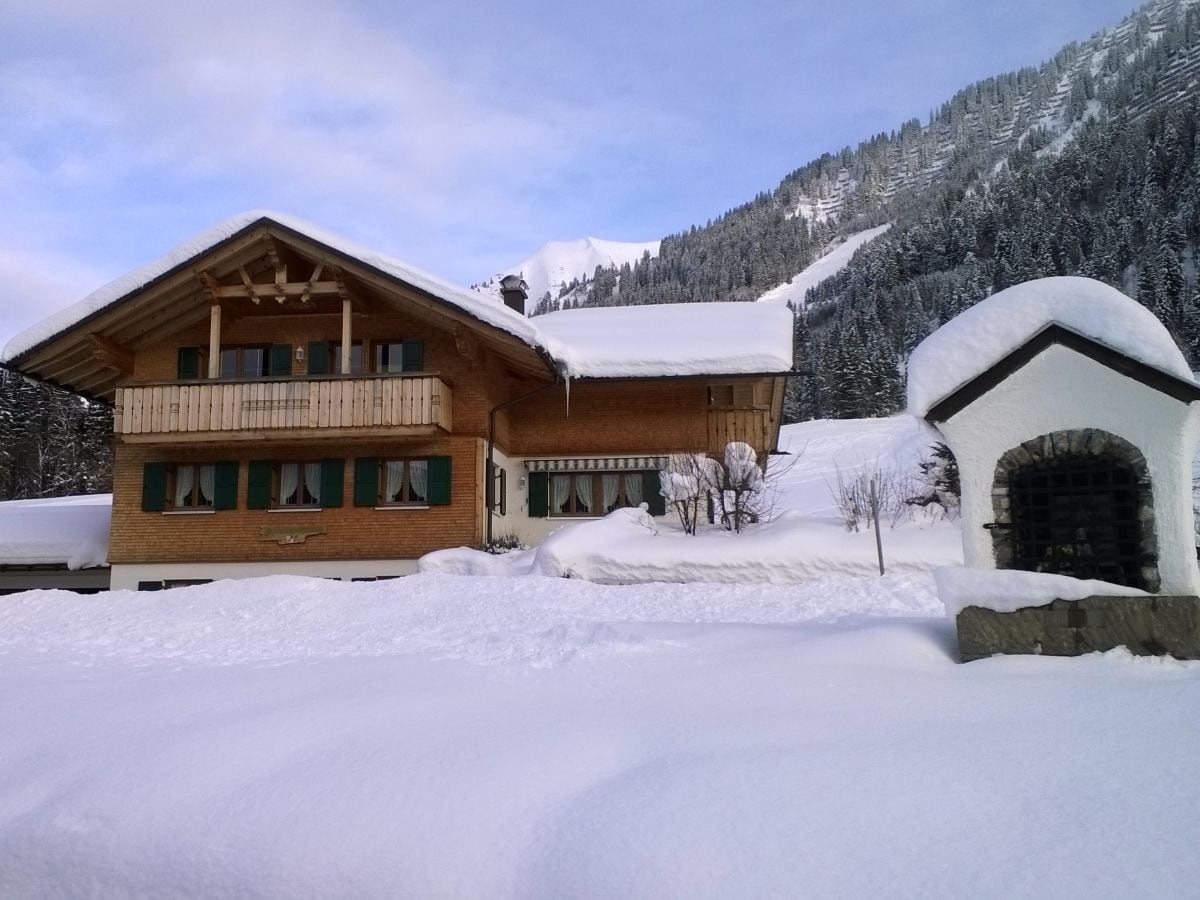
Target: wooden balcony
pixel 283 408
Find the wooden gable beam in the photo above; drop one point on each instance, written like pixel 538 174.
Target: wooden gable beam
pixel 111 354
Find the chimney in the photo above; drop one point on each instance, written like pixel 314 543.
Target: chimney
pixel 515 292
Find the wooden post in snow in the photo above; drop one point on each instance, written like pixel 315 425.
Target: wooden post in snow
pixel 875 518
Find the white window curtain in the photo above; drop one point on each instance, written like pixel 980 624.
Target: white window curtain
pixel 289 480
pixel 562 490
pixel 610 483
pixel 185 478
pixel 208 482
pixel 394 469
pixel 633 488
pixel 312 480
pixel 583 490
pixel 418 479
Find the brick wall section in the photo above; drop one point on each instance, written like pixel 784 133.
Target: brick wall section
pixel 352 532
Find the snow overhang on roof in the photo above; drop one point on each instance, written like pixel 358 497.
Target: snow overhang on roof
pixel 978 348
pixel 70 531
pixel 673 339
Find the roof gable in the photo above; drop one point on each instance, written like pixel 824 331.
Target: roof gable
pixel 1154 378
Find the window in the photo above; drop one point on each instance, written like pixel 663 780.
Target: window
pixel 499 485
pixel 404 482
pixel 325 358
pixel 182 487
pixel 733 396
pixel 192 487
pixel 244 362
pixel 297 484
pixel 594 493
pixel 304 484
pixel 399 356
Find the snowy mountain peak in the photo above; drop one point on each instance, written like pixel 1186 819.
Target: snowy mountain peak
pixel 557 263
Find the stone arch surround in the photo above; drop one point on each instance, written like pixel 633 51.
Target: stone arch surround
pixel 1085 442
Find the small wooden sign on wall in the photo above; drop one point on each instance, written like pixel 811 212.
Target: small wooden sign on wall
pixel 289 535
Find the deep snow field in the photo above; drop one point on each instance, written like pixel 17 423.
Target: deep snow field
pixel 530 736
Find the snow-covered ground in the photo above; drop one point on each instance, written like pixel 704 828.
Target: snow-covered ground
pixel 836 259
pixel 533 736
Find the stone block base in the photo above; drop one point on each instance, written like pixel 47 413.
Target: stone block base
pixel 1148 626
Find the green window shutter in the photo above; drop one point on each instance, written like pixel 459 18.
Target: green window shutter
pixel 189 363
pixel 225 482
pixel 318 357
pixel 652 494
pixel 439 480
pixel 366 481
pixel 281 360
pixel 154 487
pixel 539 495
pixel 331 482
pixel 258 484
pixel 414 356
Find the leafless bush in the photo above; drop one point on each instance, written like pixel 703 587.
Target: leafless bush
pixel 852 496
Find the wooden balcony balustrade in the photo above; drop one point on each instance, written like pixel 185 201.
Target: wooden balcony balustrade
pixel 751 426
pixel 229 409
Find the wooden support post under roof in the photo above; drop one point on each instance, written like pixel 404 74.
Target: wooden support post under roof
pixel 345 335
pixel 214 341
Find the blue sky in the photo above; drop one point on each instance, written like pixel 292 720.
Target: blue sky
pixel 456 136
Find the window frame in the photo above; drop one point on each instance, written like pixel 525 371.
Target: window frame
pixel 301 484
pixel 381 500
pixel 199 507
pixel 378 347
pixel 240 373
pixel 597 492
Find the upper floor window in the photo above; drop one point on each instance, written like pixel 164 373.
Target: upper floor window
pixel 245 362
pixel 325 358
pixel 399 356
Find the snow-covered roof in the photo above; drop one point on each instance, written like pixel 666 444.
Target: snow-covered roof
pixel 480 307
pixel 646 341
pixel 71 531
pixel 977 339
pixel 673 339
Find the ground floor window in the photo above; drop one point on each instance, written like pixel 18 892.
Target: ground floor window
pixel 404 482
pixel 298 484
pixel 295 484
pixel 594 493
pixel 192 486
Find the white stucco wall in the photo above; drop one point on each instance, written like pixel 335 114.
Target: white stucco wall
pixel 1062 390
pixel 126 577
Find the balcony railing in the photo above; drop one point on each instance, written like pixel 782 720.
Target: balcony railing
pixel 206 407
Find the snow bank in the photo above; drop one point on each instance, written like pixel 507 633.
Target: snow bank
pixel 1005 590
pixel 534 621
pixel 672 339
pixel 627 547
pixel 484 309
pixel 56 531
pixel 977 339
pixel 796 289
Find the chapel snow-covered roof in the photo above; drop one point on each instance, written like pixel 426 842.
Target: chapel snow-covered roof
pixel 70 531
pixel 976 340
pixel 609 342
pixel 673 339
